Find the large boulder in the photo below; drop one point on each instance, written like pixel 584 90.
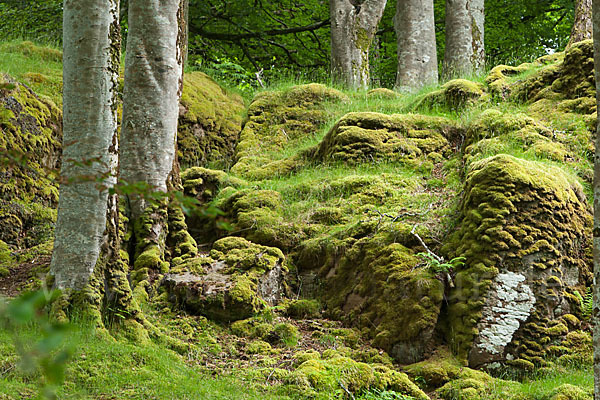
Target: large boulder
pixel 277 119
pixel 236 281
pixel 30 135
pixel 210 121
pixel 524 231
pixel 367 136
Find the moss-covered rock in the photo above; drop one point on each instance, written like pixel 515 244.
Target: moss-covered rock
pixel 494 132
pixel 382 93
pixel 372 283
pixel 522 224
pixel 570 392
pixel 280 118
pixel 454 95
pixel 340 375
pixel 30 135
pixel 497 79
pixel 302 308
pixel 239 279
pixel 366 137
pixel 210 121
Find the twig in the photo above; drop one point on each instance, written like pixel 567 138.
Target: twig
pixel 346 390
pixel 438 258
pixel 259 78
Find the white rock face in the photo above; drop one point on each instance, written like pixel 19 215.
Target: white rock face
pixel 510 303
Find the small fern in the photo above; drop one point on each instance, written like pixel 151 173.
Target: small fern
pixel 586 303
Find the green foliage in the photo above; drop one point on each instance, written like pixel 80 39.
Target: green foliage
pixel 39 20
pixel 586 303
pixel 47 355
pixel 437 266
pixel 384 395
pixel 229 73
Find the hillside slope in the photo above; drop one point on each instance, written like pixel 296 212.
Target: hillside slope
pixel 323 273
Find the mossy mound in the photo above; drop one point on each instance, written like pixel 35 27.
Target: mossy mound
pixel 494 132
pixel 365 136
pixel 373 283
pixel 454 95
pixel 382 93
pixel 524 231
pixel 279 118
pixel 30 135
pixel 235 282
pixel 258 215
pixel 210 122
pixel 570 392
pixel 497 79
pixel 338 376
pixel 560 78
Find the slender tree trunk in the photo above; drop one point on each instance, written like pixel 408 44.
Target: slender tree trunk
pixel 153 84
pixel 91 65
pixel 417 55
pixel 582 26
pixel 465 51
pixel 596 308
pixel 353 26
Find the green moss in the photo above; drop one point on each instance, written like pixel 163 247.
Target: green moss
pixel 498 79
pixel 279 119
pixel 373 279
pixel 500 227
pixel 209 124
pixel 6 256
pixel 259 347
pixel 243 255
pixel 570 392
pixel 382 93
pixel 303 309
pixel 454 95
pixel 253 328
pixel 303 356
pixel 287 334
pixel 362 137
pixel 327 376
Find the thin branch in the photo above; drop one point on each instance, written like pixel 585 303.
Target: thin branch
pixel 233 37
pixel 438 258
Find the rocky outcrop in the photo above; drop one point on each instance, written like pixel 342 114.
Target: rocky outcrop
pixel 278 119
pixel 236 281
pixel 524 232
pixel 210 121
pixel 365 137
pixel 30 149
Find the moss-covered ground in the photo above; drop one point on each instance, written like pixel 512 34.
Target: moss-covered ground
pixel 334 185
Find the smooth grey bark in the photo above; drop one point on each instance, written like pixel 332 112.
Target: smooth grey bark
pixel 582 26
pixel 353 27
pixel 596 186
pixel 417 52
pixel 153 74
pixel 465 52
pixel 89 160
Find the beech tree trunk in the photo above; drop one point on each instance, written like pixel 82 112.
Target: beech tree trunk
pixel 91 54
pixel 153 84
pixel 353 26
pixel 417 55
pixel 596 308
pixel 582 26
pixel 465 51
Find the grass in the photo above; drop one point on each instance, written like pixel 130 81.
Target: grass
pixel 38 67
pixel 105 368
